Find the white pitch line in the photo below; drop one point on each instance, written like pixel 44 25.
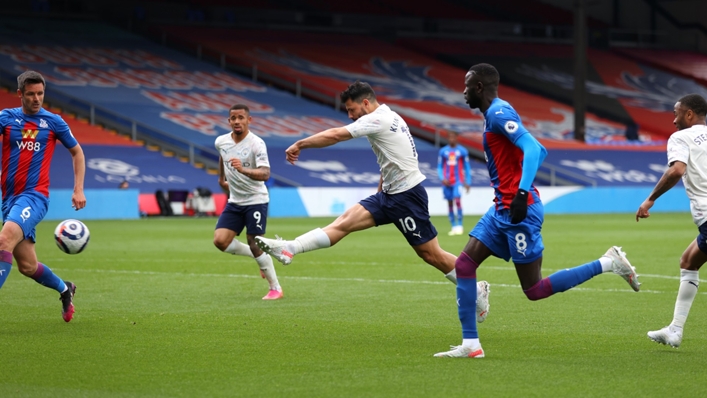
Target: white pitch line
pixel 482 268
pixel 316 278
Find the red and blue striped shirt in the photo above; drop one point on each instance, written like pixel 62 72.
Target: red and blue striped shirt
pixel 28 143
pixel 503 158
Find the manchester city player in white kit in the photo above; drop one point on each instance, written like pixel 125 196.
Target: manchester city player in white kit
pixel 243 169
pixel 687 158
pixel 400 200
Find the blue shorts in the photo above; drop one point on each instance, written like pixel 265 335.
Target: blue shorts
pixel 453 192
pixel 408 210
pixel 26 210
pixel 521 242
pixel 702 238
pixel 253 217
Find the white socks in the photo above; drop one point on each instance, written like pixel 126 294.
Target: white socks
pixel 473 343
pixel 239 249
pixel 452 276
pixel 312 240
pixel 605 264
pixel 689 281
pixel 264 262
pixel 266 265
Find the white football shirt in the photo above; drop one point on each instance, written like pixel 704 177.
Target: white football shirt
pixel 690 147
pixel 253 153
pixel 394 147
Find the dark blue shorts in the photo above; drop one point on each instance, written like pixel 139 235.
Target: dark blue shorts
pixel 26 210
pixel 408 210
pixel 521 242
pixel 450 193
pixel 702 238
pixel 254 218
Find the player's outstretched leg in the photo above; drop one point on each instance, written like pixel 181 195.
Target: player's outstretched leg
pixel 614 260
pixel 621 267
pixel 284 250
pixel 276 248
pixel 67 301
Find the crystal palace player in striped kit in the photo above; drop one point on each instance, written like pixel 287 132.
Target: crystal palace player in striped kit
pixel 454 171
pixel 511 227
pixel 29 135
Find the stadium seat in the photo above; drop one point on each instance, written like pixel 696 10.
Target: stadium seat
pixel 148 204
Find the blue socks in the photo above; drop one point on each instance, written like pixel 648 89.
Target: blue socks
pixel 568 278
pixel 466 295
pixel 43 275
pixel 5 265
pixel 46 277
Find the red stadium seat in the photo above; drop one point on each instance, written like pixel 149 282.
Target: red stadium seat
pixel 148 204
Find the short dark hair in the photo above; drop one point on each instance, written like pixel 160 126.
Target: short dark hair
pixel 240 106
pixel 488 75
pixel 695 102
pixel 29 77
pixel 357 92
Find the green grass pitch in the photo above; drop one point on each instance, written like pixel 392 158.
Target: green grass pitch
pixel 162 313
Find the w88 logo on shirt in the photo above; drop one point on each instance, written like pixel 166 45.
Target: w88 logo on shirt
pixel 29 145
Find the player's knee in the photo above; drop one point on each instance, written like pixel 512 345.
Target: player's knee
pixel 27 268
pixel 5 244
pixel 539 291
pixel 221 244
pixel 429 257
pixel 531 295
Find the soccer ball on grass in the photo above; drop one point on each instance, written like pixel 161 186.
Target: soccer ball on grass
pixel 71 236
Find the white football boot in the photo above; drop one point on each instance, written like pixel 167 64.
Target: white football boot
pixel 461 352
pixel 667 335
pixel 621 266
pixel 482 300
pixel 276 248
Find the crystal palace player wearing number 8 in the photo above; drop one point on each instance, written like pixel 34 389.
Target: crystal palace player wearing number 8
pixel 29 135
pixel 510 229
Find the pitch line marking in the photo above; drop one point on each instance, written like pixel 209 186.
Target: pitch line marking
pixel 316 278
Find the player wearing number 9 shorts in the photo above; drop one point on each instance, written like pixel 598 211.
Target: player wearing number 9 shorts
pixel 511 227
pixel 243 169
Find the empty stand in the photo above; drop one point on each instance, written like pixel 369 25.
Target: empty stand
pixel 426 91
pixel 685 63
pixel 618 88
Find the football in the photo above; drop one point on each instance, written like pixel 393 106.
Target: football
pixel 71 236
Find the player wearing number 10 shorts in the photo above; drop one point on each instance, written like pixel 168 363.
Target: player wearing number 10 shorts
pixel 400 199
pixel 511 227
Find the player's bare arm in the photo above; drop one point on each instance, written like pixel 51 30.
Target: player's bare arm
pixel 320 140
pixel 262 173
pixel 671 177
pixel 78 199
pixel 222 175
